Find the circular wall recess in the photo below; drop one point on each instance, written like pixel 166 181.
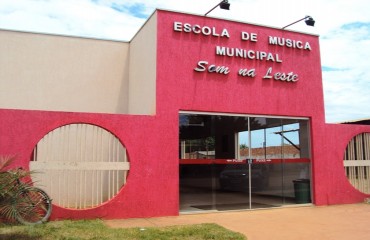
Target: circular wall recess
pixel 80 165
pixel 357 162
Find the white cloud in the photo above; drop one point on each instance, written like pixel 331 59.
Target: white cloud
pixel 68 17
pixel 345 50
pixel 346 94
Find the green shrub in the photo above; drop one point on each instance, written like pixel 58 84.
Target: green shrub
pixel 13 183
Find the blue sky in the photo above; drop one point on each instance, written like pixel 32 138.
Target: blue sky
pixel 343 26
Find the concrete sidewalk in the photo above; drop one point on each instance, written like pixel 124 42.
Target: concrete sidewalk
pixel 349 222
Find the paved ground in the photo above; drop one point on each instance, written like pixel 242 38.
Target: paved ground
pixel 349 222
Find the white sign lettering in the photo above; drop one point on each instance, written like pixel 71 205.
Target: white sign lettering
pixel 240 52
pixel 197 29
pixel 247 73
pixel 202 66
pixel 250 54
pixel 289 77
pixel 249 36
pixel 289 43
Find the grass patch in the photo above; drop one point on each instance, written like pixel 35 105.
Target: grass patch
pixel 96 229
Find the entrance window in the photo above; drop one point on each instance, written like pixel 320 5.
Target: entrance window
pixel 242 162
pixel 199 137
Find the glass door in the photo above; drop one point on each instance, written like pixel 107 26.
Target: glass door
pixel 267 172
pixel 296 161
pixel 241 162
pixel 197 153
pixel 231 169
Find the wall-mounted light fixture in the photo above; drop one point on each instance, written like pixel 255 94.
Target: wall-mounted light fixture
pixel 224 4
pixel 308 20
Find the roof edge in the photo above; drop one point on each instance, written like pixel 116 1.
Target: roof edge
pixel 62 35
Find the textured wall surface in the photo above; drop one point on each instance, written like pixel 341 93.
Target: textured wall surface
pixel 58 73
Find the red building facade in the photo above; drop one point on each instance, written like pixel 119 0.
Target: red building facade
pixel 199 66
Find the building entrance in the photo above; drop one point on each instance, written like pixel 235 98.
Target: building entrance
pixel 242 162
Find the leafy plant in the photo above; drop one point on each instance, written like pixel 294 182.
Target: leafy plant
pixel 13 183
pixel 5 161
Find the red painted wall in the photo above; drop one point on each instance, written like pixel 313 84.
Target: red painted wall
pixel 179 53
pixel 152 179
pixel 330 182
pixel 179 87
pixel 152 187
